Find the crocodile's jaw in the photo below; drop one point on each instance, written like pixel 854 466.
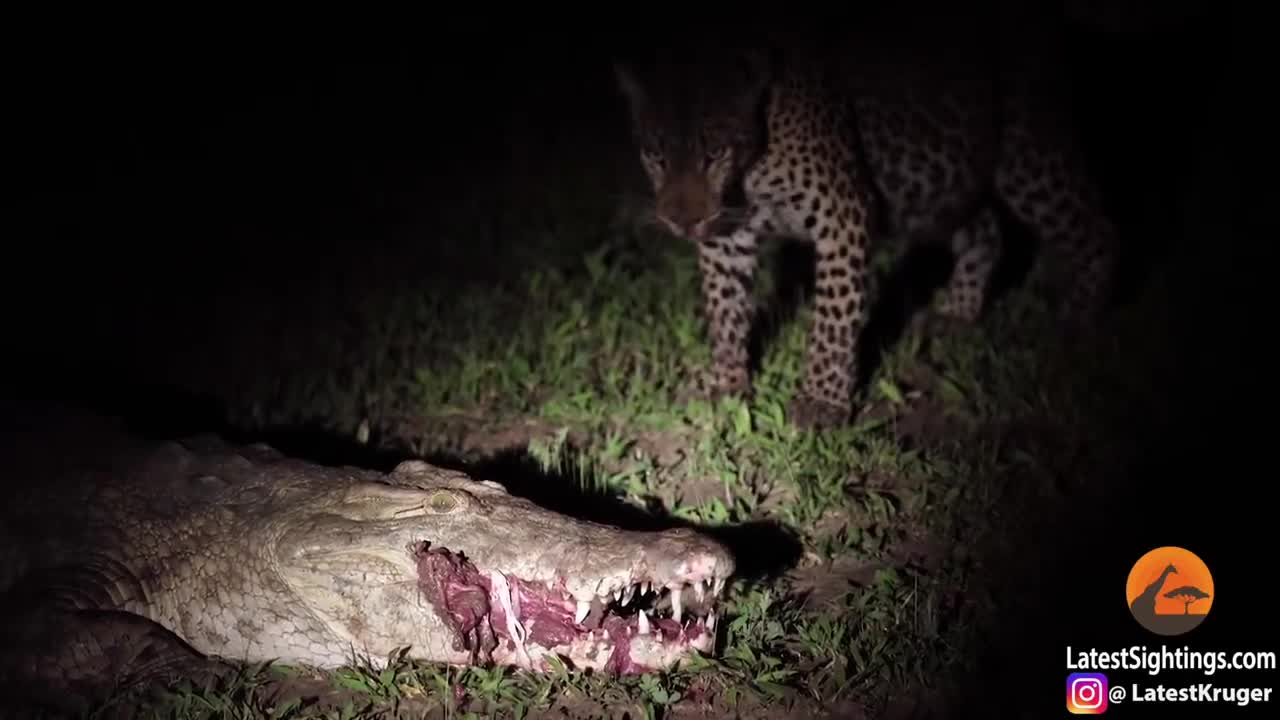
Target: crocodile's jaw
pixel 502 618
pixel 445 608
pixel 622 651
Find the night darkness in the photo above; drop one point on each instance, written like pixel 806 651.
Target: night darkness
pixel 187 202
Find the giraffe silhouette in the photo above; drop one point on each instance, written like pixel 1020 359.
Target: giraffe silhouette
pixel 1144 606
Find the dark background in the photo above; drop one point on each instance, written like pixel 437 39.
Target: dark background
pixel 153 170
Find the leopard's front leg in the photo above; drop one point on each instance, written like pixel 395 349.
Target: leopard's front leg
pixel 728 265
pixel 839 313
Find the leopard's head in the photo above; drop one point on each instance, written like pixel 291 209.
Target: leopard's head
pixel 696 129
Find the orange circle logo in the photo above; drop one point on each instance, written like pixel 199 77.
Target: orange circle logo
pixel 1170 591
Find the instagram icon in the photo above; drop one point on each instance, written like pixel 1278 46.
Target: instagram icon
pixel 1086 693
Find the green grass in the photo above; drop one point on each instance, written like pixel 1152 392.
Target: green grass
pixel 586 365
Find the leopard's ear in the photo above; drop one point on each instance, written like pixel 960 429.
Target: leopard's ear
pixel 757 65
pixel 756 69
pixel 631 88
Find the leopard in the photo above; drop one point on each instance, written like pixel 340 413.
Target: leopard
pixel 907 135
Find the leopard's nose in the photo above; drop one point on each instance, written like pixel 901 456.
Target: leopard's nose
pixel 684 227
pixel 702 228
pixel 688 224
pixel 686 211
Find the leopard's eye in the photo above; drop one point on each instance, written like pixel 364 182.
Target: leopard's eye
pixel 713 155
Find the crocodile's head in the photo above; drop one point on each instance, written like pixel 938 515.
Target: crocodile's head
pixel 463 572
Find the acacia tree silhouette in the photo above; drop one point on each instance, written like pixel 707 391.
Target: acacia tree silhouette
pixel 1188 594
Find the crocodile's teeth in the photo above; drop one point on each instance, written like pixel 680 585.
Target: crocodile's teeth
pixel 698 591
pixel 676 610
pixel 644 623
pixel 617 595
pixel 719 585
pixel 647 587
pixel 711 623
pixel 628 594
pixel 584 607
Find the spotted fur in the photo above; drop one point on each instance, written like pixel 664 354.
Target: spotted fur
pixel 829 153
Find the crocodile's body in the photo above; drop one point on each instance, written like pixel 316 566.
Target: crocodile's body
pixel 247 555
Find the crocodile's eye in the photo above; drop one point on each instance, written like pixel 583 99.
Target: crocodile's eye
pixel 442 502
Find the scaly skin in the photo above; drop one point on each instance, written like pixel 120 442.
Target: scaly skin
pixel 140 563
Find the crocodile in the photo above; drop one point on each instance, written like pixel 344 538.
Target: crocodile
pixel 135 560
